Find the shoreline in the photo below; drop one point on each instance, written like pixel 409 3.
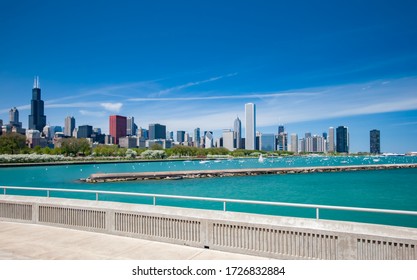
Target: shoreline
pixel 194 174
pixel 124 160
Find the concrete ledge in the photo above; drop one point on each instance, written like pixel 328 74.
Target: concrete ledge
pixel 259 235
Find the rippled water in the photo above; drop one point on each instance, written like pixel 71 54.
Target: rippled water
pixel 387 189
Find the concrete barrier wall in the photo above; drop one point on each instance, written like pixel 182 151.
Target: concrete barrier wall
pixel 260 235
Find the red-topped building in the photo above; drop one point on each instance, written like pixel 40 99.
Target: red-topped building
pixel 118 125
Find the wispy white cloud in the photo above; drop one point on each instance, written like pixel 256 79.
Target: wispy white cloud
pixel 112 107
pixel 93 113
pixel 191 84
pixel 220 97
pixel 406 124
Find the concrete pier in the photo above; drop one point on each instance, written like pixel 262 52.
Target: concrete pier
pixel 207 230
pixel 192 174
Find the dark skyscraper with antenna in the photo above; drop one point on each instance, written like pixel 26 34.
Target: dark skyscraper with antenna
pixel 37 119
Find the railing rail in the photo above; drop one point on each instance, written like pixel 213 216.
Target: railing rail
pixel 224 201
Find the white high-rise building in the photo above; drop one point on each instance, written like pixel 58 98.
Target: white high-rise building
pixel 330 140
pixel 294 143
pixel 209 143
pixel 250 126
pixel 228 139
pixel 237 130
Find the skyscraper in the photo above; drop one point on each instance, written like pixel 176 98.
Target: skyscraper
pixel 69 126
pixel 197 137
pixel 157 131
pixel 375 141
pixel 131 127
pixel 14 117
pixel 228 137
pixel 37 119
pixel 85 131
pixel 117 127
pixel 208 139
pixel 267 142
pixel 180 136
pixel 237 131
pixel 330 140
pixel 294 143
pixel 281 129
pixel 250 126
pixel 342 139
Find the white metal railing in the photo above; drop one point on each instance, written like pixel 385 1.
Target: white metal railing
pixel 223 200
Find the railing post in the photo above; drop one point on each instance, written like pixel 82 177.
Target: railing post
pixel 154 200
pixel 47 193
pixel 224 205
pixel 4 192
pixel 96 196
pixel 317 214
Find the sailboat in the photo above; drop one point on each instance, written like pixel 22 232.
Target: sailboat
pixel 260 159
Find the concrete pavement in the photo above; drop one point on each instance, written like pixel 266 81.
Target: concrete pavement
pixel 20 241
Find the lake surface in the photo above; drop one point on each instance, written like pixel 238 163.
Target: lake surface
pixel 384 189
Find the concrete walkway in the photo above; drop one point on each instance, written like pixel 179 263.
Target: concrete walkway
pixel 37 242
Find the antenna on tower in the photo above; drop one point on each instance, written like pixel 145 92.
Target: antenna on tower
pixel 36 82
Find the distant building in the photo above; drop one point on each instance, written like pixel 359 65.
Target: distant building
pixel 157 131
pixel 15 125
pixel 228 139
pixel 267 142
pixel 282 143
pixel 166 144
pixel 69 126
pixel 197 137
pixel 108 140
pixel 128 142
pixel 342 139
pixel 33 138
pixel 375 141
pixel 142 133
pixel 294 143
pixel 85 131
pixel 281 129
pixel 14 117
pixel 180 136
pixel 188 139
pixel 208 141
pixel 237 130
pixel 250 126
pixel 48 132
pixel 330 141
pixel 131 127
pixel 37 118
pixel 118 127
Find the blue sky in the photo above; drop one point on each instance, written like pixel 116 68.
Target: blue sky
pixel 306 64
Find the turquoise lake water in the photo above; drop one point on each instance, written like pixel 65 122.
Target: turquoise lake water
pixel 384 189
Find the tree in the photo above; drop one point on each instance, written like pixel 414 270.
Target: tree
pixel 74 146
pixel 12 143
pixel 156 146
pixel 106 150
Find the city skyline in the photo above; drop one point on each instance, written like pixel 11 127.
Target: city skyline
pixel 188 65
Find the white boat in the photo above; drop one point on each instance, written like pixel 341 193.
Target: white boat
pixel 261 158
pixel 203 161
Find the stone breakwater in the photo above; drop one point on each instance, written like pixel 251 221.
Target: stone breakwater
pixel 193 174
